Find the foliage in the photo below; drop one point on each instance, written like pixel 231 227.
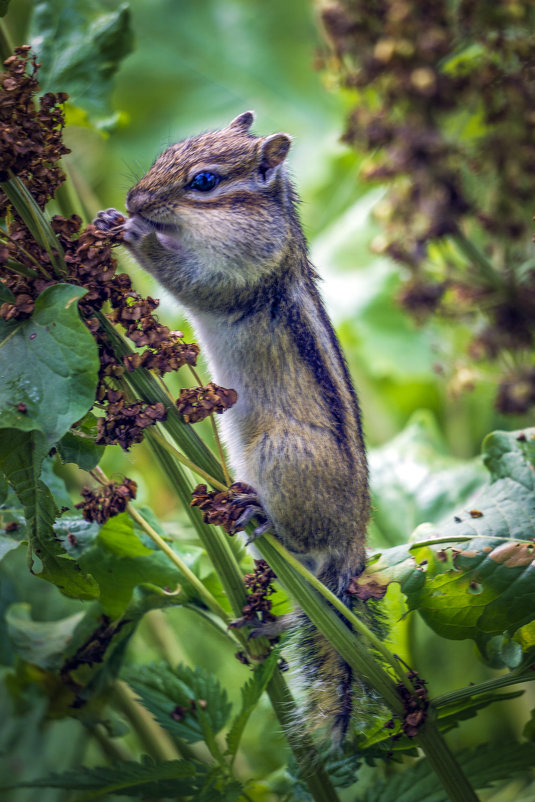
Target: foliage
pixel 127 645
pixel 442 103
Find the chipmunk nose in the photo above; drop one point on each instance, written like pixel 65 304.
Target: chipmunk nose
pixel 137 200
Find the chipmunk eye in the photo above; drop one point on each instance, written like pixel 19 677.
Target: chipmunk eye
pixel 204 181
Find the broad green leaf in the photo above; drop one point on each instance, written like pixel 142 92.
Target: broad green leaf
pixel 184 701
pixel 21 457
pixel 49 363
pixel 6 294
pixel 80 44
pixel 4 5
pixel 250 694
pixel 483 766
pixel 175 778
pixel 42 643
pixel 78 444
pixel 414 480
pixel 479 580
pixel 118 560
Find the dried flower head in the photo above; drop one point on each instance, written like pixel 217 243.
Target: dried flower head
pixel 99 505
pixel 196 403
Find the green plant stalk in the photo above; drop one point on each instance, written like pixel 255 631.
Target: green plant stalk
pixel 444 764
pixel 153 738
pixel 35 220
pixel 429 738
pixel 219 551
pixel 355 622
pixel 187 462
pixel 328 622
pixel 474 255
pixel 6 45
pixel 186 572
pixel 216 545
pixel 470 691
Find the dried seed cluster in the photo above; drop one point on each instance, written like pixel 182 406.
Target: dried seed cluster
pixel 31 147
pixel 99 505
pixel 30 137
pixel 259 584
pixel 221 508
pixel 445 113
pixel 196 403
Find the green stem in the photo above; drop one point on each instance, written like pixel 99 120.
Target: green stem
pixel 6 45
pixel 356 623
pixel 186 572
pixel 475 256
pixel 111 748
pixel 311 769
pixel 330 625
pixel 444 764
pixel 216 544
pixel 187 462
pixel 482 687
pixel 153 738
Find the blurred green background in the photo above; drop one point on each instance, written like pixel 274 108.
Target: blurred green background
pixel 195 65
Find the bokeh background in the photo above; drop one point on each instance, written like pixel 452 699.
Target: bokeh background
pixel 195 65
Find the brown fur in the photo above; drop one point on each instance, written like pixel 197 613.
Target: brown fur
pixel 236 258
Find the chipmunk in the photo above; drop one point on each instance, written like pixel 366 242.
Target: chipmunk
pixel 215 221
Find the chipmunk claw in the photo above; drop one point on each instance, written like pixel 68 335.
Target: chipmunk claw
pixel 109 220
pixel 253 509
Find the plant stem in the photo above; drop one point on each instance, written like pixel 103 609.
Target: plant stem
pixel 474 255
pixel 216 433
pixel 111 748
pixel 153 738
pixel 483 687
pixel 216 544
pixel 355 622
pixel 6 45
pixel 187 462
pixel 188 574
pixel 444 764
pixel 311 770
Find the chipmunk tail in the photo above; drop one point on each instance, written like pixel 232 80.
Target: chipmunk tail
pixel 335 699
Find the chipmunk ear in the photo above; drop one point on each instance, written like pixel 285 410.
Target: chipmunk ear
pixel 243 122
pixel 273 151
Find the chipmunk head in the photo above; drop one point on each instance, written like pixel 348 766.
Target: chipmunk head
pixel 222 202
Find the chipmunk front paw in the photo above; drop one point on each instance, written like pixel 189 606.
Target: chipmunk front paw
pixel 110 221
pixel 253 509
pixel 136 228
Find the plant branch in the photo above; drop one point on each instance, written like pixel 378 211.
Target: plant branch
pixel 187 462
pixel 513 678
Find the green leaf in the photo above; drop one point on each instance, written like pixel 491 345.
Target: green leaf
pixel 478 581
pixel 119 560
pixel 21 457
pixel 37 222
pixel 414 480
pixel 483 766
pixel 6 294
pixel 49 364
pixel 80 44
pixel 78 444
pixel 4 5
pixel 175 778
pixel 250 694
pixel 42 643
pixel 184 701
